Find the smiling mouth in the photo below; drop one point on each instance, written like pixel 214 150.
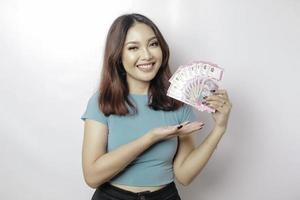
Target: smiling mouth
pixel 146 67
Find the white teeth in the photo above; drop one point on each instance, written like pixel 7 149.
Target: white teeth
pixel 148 66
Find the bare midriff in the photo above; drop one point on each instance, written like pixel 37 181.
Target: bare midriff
pixel 138 189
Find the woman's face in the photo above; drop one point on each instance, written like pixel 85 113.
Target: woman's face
pixel 141 54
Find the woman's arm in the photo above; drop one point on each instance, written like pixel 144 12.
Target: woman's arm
pixel 198 158
pixel 110 164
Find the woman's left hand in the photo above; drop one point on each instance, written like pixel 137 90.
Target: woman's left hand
pixel 220 102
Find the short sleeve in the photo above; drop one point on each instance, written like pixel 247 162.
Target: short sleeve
pixel 92 110
pixel 187 113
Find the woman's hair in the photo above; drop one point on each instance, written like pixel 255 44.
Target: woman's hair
pixel 113 87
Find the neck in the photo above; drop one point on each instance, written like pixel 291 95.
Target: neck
pixel 138 87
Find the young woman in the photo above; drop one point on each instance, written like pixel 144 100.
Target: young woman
pixel 137 140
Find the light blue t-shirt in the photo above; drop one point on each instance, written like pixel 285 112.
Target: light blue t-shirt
pixel 154 166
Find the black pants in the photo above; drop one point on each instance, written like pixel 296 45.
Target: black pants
pixel 107 191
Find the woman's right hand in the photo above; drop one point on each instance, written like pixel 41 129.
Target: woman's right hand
pixel 167 132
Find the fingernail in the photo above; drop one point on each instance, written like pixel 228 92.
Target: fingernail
pixel 179 127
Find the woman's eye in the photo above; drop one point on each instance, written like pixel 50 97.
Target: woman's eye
pixel 132 48
pixel 154 44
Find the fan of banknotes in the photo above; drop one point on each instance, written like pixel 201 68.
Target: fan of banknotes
pixel 192 82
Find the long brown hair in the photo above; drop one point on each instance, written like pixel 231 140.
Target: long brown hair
pixel 113 87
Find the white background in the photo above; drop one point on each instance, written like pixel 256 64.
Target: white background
pixel 51 55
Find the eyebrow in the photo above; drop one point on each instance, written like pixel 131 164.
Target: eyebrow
pixel 135 42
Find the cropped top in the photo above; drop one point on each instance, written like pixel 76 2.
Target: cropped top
pixel 154 166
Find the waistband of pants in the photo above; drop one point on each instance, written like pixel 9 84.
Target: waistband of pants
pixel 166 191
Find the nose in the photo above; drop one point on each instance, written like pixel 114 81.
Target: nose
pixel 146 55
